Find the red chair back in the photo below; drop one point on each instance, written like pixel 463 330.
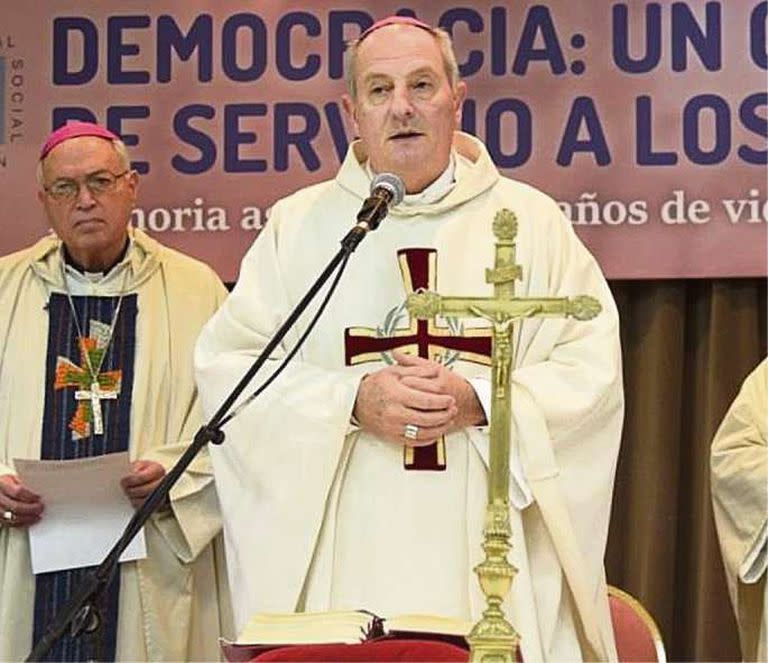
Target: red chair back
pixel 637 636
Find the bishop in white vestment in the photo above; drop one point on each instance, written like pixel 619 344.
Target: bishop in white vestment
pixel 322 511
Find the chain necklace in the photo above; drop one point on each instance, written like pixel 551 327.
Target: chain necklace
pixel 95 394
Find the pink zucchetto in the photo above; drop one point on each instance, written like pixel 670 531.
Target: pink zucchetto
pixel 396 20
pixel 75 130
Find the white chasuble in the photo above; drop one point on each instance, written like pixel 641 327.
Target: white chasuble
pixel 319 515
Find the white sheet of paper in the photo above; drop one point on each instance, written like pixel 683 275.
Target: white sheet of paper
pixel 86 510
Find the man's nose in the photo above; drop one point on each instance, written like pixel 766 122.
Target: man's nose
pixel 85 199
pixel 402 106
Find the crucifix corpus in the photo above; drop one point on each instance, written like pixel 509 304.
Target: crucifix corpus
pixel 493 638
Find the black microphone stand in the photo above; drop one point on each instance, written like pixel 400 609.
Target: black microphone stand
pixel 80 614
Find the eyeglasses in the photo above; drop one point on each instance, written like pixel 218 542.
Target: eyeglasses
pixel 97 183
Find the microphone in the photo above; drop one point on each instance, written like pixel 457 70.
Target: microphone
pixel 386 189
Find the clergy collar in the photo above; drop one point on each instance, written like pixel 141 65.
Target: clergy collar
pixel 440 188
pixel 75 270
pixel 70 263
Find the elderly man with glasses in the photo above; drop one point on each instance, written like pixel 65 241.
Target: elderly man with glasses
pixel 97 326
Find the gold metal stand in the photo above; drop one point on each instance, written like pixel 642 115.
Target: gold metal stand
pixel 493 639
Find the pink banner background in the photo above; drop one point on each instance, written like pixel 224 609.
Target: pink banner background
pixel 629 236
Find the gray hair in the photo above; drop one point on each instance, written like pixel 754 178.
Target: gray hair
pixel 446 50
pixel 120 149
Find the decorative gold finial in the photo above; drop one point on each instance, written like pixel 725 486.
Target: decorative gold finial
pixel 505 225
pixel 583 307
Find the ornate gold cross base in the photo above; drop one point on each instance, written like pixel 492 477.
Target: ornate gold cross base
pixel 493 639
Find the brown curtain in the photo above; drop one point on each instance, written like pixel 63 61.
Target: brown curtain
pixel 687 347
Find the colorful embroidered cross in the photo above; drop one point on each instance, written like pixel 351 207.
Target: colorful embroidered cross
pixel 91 389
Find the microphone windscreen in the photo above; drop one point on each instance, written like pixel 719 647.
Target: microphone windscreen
pixel 391 183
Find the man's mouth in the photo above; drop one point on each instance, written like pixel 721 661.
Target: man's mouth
pixel 404 135
pixel 93 220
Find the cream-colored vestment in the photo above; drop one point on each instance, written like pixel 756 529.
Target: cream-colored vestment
pixel 319 516
pixel 174 604
pixel 740 500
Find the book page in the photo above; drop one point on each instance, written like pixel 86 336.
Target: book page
pixel 347 627
pixel 428 624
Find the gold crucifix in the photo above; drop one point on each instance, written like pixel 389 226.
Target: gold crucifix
pixel 493 638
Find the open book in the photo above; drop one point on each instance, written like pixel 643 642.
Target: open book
pixel 269 630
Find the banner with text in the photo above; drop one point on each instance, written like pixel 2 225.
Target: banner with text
pixel 646 121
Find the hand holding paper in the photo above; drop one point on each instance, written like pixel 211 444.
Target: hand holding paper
pixel 20 507
pixel 144 477
pixel 86 510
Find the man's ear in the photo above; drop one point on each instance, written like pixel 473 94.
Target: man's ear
pixel 459 94
pixel 132 181
pixel 350 108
